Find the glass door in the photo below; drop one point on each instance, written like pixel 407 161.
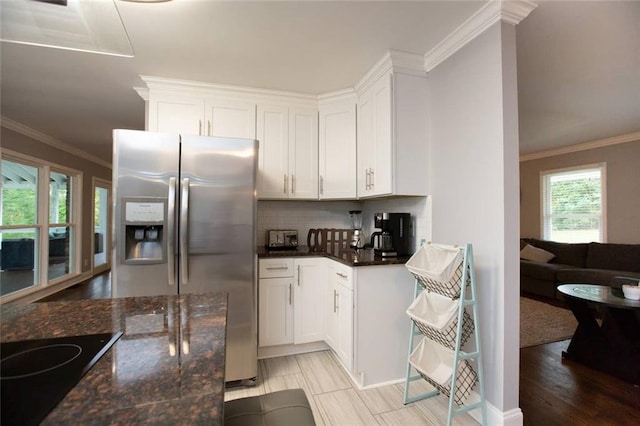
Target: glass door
pixel 19 228
pixel 101 229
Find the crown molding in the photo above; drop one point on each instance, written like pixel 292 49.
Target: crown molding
pixel 396 61
pixel 600 143
pixel 48 140
pixel 143 92
pixel 204 89
pixel 512 12
pixel 346 95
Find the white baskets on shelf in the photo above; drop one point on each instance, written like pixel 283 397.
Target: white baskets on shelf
pixel 436 317
pixel 435 364
pixel 438 269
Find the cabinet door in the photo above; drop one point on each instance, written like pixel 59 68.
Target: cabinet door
pixel 366 143
pixel 337 151
pixel 310 276
pixel 275 308
pixel 382 137
pixel 331 308
pixel 303 153
pixel 345 325
pixel 232 119
pixel 273 134
pixel 176 114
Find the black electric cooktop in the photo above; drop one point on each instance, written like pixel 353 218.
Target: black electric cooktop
pixel 36 374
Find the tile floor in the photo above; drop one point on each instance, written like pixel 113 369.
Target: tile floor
pixel 336 401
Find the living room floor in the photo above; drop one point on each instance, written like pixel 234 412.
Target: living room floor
pixel 552 391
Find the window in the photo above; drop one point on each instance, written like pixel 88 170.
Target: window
pixel 38 224
pixel 573 204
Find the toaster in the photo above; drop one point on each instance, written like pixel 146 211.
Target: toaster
pixel 282 239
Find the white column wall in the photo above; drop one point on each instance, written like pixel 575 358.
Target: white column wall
pixel 474 183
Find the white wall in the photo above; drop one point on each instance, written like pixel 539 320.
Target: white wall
pixel 474 186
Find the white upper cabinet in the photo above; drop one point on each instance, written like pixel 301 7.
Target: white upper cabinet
pixel 392 128
pixel 228 118
pixel 200 116
pixel 337 149
pixel 175 114
pixel 175 106
pixel 288 153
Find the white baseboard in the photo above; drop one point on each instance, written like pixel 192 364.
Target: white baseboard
pixel 285 350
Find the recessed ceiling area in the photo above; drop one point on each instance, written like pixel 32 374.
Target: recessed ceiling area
pixel 316 47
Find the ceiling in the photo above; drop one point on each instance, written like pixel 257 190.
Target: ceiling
pixel 578 62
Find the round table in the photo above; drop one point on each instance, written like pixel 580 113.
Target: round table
pixel 612 345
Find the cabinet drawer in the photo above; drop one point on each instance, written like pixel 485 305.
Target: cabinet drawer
pixel 276 268
pixel 344 275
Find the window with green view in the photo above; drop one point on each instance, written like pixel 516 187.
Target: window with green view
pixel 573 204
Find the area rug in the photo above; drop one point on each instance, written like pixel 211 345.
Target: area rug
pixel 543 323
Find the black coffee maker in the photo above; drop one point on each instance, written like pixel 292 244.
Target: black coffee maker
pixel 394 237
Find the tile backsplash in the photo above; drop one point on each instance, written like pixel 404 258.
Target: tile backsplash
pixel 304 215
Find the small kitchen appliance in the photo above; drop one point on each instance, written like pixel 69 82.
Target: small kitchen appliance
pixel 394 237
pixel 278 239
pixel 357 239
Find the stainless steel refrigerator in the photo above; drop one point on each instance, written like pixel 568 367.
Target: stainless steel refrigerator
pixel 184 222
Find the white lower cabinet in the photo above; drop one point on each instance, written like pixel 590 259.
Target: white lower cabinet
pixel 290 294
pixel 339 316
pixel 276 311
pixel 359 312
pixel 308 290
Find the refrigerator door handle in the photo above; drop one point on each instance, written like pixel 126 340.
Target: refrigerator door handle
pixel 171 231
pixel 184 232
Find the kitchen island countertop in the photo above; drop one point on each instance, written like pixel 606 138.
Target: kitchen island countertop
pixel 347 256
pixel 168 366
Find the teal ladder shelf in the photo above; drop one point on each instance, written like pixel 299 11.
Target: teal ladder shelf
pixel 463 377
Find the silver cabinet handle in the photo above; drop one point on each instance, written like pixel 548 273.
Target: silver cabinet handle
pixel 298 275
pixel 373 179
pixel 208 127
pixel 277 268
pixel 293 184
pixel 321 185
pixel 184 231
pixel 368 180
pixel 199 127
pixel 290 294
pixel 284 189
pixel 171 231
pixel 341 275
pixel 335 294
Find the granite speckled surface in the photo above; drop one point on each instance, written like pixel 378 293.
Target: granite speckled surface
pixel 347 256
pixel 168 367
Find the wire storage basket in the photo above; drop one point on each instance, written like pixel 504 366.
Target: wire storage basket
pixel 436 317
pixel 438 269
pixel 435 364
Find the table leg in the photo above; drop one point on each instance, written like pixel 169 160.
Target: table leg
pixel 613 348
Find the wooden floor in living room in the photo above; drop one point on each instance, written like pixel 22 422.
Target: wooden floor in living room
pixel 552 391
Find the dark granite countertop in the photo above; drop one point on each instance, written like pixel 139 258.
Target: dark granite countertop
pixel 167 368
pixel 347 256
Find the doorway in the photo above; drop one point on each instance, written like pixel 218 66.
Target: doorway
pixel 101 219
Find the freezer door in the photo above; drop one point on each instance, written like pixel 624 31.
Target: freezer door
pixel 218 180
pixel 144 164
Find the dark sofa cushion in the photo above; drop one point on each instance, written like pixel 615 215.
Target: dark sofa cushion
pixel 591 276
pixel 540 271
pixel 623 257
pixel 574 254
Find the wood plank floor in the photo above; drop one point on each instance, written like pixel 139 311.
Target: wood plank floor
pixel 552 391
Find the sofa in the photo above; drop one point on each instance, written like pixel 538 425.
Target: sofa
pixel 588 263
